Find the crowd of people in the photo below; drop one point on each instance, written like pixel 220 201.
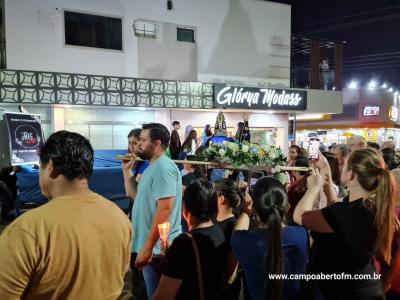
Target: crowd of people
pixel 228 235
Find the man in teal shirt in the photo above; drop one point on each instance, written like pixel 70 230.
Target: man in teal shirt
pixel 158 200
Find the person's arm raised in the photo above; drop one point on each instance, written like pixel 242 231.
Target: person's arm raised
pixel 243 221
pixel 304 214
pixel 325 171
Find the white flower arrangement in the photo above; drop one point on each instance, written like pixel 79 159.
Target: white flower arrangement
pixel 245 154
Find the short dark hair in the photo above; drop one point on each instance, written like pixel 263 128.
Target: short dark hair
pixel 200 199
pixel 303 162
pixel 71 154
pixel 158 132
pixel 334 165
pixel 388 151
pixel 135 133
pixel 295 147
pixel 175 123
pixel 373 145
pixel 390 161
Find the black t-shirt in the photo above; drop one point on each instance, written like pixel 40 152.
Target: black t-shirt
pixel 349 249
pixel 227 227
pixel 188 179
pixel 180 263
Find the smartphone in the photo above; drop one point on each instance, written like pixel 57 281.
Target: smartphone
pixel 313 148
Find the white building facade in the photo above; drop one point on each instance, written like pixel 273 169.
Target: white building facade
pixel 236 42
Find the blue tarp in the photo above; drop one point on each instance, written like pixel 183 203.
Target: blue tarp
pixel 106 180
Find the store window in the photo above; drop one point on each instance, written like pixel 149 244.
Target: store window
pixel 106 128
pixel 92 31
pixel 145 29
pixel 185 35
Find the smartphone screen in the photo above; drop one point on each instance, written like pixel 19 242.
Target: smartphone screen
pixel 313 149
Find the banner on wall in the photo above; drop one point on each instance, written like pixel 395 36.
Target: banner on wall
pixel 25 137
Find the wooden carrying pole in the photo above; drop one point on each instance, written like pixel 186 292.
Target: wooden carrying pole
pixel 217 165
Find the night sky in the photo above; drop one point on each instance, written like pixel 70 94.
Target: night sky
pixel 371 29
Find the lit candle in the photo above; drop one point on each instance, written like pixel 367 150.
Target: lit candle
pixel 163 230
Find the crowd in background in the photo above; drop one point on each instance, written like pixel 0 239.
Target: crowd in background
pixel 229 234
pixel 266 235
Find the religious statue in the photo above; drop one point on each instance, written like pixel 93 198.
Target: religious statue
pixel 220 125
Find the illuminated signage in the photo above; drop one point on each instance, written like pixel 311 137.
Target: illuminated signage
pixel 393 113
pixel 259 98
pixel 25 137
pixel 371 111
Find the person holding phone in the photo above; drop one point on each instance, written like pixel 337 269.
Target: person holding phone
pixel 348 234
pixel 313 148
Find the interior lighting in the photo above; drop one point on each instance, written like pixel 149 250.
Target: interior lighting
pixel 384 85
pixel 308 117
pixel 390 90
pixel 353 85
pixel 372 84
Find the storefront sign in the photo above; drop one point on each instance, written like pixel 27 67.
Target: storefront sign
pixel 371 111
pixel 259 98
pixel 312 134
pixel 25 137
pixel 393 113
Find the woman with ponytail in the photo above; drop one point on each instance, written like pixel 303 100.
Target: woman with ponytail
pixel 348 234
pixel 272 249
pixel 229 199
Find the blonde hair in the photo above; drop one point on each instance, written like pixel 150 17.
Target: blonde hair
pixel 359 139
pixel 375 179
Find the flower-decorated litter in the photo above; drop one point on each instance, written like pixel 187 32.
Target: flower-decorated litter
pixel 245 154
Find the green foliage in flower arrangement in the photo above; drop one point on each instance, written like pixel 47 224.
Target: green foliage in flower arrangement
pixel 245 154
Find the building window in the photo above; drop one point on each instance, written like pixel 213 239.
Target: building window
pixel 145 29
pixel 92 31
pixel 185 35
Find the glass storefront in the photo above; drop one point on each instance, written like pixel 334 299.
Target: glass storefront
pixel 339 136
pixel 260 135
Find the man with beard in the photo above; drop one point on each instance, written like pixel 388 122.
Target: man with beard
pixel 158 200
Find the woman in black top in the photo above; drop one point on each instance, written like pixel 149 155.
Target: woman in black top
pixel 229 199
pixel 347 234
pixel 174 144
pixel 179 273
